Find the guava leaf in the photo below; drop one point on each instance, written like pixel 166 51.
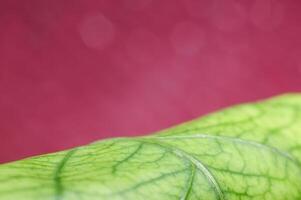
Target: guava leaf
pixel 250 151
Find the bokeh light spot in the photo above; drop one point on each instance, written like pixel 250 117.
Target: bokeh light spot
pixel 97 31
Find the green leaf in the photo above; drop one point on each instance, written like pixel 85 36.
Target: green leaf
pixel 250 151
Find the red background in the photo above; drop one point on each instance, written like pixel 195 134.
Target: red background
pixel 74 71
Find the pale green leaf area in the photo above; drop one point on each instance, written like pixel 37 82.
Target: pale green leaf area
pixel 249 151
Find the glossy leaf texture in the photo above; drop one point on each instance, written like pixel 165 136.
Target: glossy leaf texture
pixel 249 151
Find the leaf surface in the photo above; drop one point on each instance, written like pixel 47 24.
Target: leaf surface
pixel 249 151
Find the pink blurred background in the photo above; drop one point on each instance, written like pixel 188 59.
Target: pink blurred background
pixel 74 71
